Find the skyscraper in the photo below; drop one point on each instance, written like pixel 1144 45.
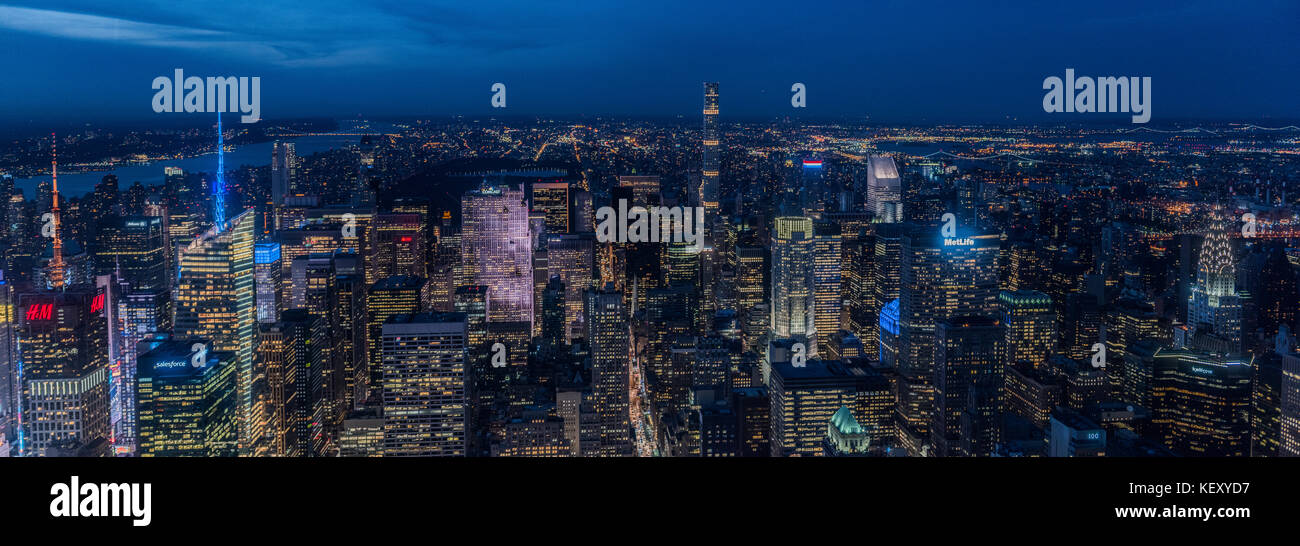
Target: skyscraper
pixel 941 277
pixel 63 370
pixel 968 386
pixel 284 174
pixel 1214 307
pixel 424 390
pixel 216 300
pixel 497 251
pixel 607 333
pixel 827 295
pixel 884 189
pixel 793 304
pixel 708 196
pixel 186 401
pixel 572 258
pixel 1030 326
pixel 266 272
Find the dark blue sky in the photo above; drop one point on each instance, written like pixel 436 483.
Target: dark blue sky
pixel 893 60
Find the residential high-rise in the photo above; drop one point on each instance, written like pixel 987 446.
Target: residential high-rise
pixel 186 401
pixel 424 385
pixel 216 300
pixel 497 251
pixel 708 196
pixel 607 334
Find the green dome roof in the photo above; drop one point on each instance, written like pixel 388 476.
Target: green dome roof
pixel 844 421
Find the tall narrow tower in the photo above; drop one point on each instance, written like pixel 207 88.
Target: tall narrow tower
pixel 709 178
pixel 56 272
pixel 219 185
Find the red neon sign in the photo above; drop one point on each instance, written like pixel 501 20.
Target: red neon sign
pixel 40 311
pixel 97 304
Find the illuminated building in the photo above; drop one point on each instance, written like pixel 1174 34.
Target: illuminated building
pixel 309 239
pixel 9 363
pixel 888 333
pixel 362 435
pixel 497 251
pixel 607 334
pixel 186 401
pixel 968 386
pixel 424 385
pixel 1073 435
pixel 1201 402
pixel 533 434
pixel 753 411
pixel 1030 326
pixel 827 297
pixel 940 278
pixel 284 177
pixel 63 369
pixel 1214 307
pixel 348 331
pixel 844 436
pixel 266 275
pixel 803 399
pixel 216 300
pixel 708 196
pixel 1032 393
pixel 572 258
pixel 793 305
pixel 552 200
pixel 884 193
pixel 1289 411
pixel 392 296
pixel 399 246
pixel 133 246
pixel 1128 321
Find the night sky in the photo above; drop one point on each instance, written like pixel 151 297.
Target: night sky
pixel 895 61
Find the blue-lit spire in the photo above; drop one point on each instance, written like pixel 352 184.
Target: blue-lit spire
pixel 219 185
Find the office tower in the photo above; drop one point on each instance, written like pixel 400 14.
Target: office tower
pixel 552 312
pixel 813 191
pixel 940 278
pixel 1202 402
pixel 1081 327
pixel 424 390
pixel 216 300
pixel 968 386
pixel 398 295
pixel 473 302
pixel 9 387
pixel 1127 322
pixel 572 258
pixel 313 416
pixel 399 246
pixel 284 175
pixel 186 401
pixel 708 196
pixel 753 411
pixel 552 200
pixel 348 332
pixel 497 251
pixel 887 330
pixel 1266 399
pixel 793 304
pixel 299 242
pixel 362 434
pixel 607 334
pixel 277 358
pixel 1032 393
pixel 885 268
pixel 1030 326
pixel 1288 442
pixel 534 433
pixel 63 371
pixel 827 297
pixel 884 189
pixel 1279 296
pixel 266 277
pixel 858 289
pixel 645 189
pixel 133 247
pixel 1214 307
pixel 803 399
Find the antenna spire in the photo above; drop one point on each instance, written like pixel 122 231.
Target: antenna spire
pixel 56 272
